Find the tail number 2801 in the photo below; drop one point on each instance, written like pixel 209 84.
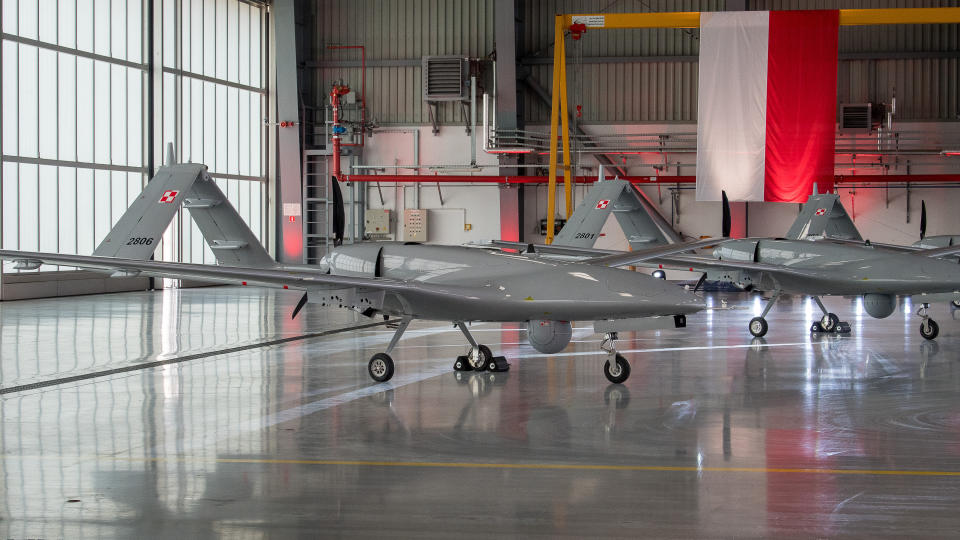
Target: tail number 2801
pixel 140 242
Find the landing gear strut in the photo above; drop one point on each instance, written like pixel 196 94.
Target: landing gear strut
pixel 758 325
pixel 929 328
pixel 616 368
pixel 380 366
pixel 480 357
pixel 829 322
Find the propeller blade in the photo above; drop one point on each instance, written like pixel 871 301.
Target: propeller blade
pixel 700 282
pixel 756 252
pixel 300 304
pixel 339 216
pixel 923 219
pixel 725 225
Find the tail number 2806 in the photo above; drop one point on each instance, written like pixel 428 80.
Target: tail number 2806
pixel 140 242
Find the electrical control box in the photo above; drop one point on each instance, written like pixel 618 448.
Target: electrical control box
pixel 376 221
pixel 414 225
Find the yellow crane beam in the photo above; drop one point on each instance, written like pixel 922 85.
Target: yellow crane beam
pixel 558 108
pixel 691 19
pixel 679 19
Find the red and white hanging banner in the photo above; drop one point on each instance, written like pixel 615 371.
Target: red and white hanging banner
pixel 767 104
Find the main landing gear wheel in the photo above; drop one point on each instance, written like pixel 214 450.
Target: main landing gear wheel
pixel 380 367
pixel 617 372
pixel 484 357
pixel 929 329
pixel 758 326
pixel 829 322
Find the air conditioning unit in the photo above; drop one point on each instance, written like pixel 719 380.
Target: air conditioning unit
pixel 860 117
pixel 445 78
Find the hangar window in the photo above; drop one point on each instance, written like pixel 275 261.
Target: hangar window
pixel 83 117
pixel 72 121
pixel 213 104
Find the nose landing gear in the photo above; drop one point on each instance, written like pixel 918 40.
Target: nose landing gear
pixel 381 366
pixel 929 328
pixel 616 368
pixel 758 325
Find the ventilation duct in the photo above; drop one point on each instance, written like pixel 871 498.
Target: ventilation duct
pixel 445 78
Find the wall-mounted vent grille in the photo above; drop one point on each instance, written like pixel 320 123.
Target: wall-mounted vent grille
pixel 443 78
pixel 855 117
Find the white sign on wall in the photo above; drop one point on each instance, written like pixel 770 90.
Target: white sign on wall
pixel 291 209
pixel 590 21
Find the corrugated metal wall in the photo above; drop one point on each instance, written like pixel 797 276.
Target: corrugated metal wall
pixel 925 86
pixel 654 90
pixel 393 30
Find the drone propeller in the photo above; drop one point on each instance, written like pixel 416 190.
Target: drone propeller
pixel 923 219
pixel 339 216
pixel 725 226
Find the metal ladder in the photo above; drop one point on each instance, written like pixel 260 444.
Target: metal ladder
pixel 318 207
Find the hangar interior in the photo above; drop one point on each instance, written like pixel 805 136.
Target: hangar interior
pixel 172 408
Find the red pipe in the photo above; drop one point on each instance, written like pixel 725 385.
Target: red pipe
pixel 639 180
pixel 363 90
pixel 894 178
pixel 335 94
pixel 488 179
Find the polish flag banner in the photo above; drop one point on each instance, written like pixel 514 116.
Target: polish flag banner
pixel 767 104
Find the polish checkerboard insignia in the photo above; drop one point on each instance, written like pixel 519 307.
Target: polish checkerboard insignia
pixel 169 196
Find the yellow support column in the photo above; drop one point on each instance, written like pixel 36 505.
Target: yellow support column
pixel 565 127
pixel 554 110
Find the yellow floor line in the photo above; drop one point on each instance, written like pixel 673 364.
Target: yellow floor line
pixel 522 466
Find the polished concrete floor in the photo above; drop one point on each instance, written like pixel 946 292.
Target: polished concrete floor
pixel 199 413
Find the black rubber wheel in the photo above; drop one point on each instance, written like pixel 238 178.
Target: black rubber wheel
pixel 758 326
pixel 955 303
pixel 829 322
pixel 618 394
pixel 380 367
pixel 934 329
pixel 617 373
pixel 484 358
